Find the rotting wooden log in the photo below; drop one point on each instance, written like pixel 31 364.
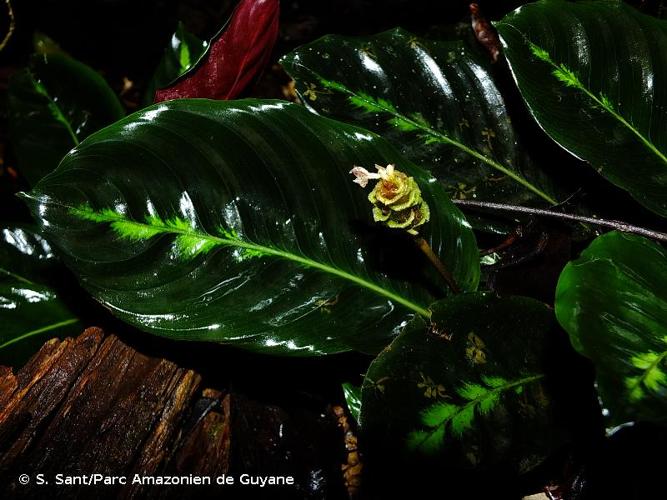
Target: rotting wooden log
pixel 95 405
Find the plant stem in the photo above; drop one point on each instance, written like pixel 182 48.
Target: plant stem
pixel 433 258
pixel 612 224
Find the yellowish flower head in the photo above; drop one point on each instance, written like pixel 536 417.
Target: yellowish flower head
pixel 396 198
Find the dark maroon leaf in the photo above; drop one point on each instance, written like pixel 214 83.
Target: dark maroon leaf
pixel 237 54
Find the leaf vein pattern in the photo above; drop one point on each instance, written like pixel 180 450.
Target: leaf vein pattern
pixel 191 242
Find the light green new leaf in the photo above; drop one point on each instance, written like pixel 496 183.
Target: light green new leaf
pixel 593 75
pixel 435 100
pixel 613 303
pixel 239 222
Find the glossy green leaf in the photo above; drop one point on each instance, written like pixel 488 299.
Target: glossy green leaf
pixel 183 52
pixel 436 100
pixel 593 74
pixel 31 312
pixel 613 303
pixel 239 222
pixel 54 104
pixel 353 399
pixel 470 388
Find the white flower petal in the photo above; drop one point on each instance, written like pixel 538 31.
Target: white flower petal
pixel 362 175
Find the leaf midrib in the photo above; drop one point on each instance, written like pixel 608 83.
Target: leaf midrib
pixel 16 276
pixel 55 109
pixel 439 136
pixel 596 99
pixel 44 329
pixel 472 152
pixel 642 378
pixel 477 401
pixel 266 250
pixel 52 326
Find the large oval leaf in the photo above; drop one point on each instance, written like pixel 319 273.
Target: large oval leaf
pixel 593 74
pixel 436 100
pixel 613 303
pixel 239 222
pixel 30 310
pixel 54 104
pixel 472 389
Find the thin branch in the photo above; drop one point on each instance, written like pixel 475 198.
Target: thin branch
pixel 11 27
pixel 612 224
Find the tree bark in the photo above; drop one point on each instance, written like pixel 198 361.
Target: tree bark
pixel 95 405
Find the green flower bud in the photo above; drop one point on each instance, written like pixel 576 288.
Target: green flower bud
pixel 396 198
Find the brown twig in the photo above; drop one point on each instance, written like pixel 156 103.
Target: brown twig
pixel 12 25
pixel 506 243
pixel 437 263
pixel 612 224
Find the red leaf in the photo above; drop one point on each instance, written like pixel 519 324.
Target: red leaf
pixel 237 55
